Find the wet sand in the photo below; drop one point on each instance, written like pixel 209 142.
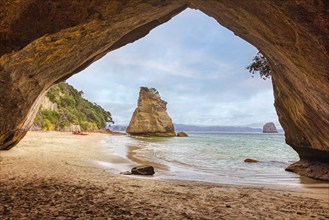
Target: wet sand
pixel 55 175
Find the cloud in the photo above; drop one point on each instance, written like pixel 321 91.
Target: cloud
pixel 197 66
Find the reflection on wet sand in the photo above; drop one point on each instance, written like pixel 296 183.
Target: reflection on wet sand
pixel 131 155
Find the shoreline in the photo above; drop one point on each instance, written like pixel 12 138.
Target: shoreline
pixel 62 166
pixel 171 171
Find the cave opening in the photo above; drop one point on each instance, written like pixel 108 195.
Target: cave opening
pixel 79 174
pixel 204 80
pixel 292 44
pixel 201 75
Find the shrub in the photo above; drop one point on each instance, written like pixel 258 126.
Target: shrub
pixel 72 109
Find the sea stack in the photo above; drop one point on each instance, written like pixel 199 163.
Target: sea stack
pixel 150 117
pixel 269 128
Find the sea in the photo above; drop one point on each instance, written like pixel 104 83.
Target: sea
pixel 211 157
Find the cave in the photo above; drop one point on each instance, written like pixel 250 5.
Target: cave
pixel 45 42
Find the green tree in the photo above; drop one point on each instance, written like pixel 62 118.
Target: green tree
pixel 72 109
pixel 260 65
pixel 47 125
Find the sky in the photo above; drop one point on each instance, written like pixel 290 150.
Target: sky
pixel 198 67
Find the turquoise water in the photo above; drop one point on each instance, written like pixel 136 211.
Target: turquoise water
pixel 214 157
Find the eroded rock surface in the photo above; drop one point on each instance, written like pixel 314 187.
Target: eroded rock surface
pixel 315 169
pixel 150 116
pixel 143 170
pixel 43 42
pixel 182 134
pixel 269 128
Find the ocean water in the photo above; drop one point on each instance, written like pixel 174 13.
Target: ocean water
pixel 211 157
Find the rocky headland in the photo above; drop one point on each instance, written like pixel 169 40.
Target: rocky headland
pixel 63 108
pixel 150 117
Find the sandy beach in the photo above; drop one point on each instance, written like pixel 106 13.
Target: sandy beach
pixel 55 175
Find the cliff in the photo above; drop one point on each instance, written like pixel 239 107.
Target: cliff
pixel 63 108
pixel 150 117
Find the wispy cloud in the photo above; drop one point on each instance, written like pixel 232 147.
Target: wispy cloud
pixel 198 67
pixel 195 67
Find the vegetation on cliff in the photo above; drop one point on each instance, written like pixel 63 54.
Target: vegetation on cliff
pixel 72 109
pixel 260 65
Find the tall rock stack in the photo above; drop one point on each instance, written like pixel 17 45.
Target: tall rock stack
pixel 150 117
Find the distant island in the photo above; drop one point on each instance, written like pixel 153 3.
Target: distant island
pixel 200 128
pixel 64 109
pixel 270 128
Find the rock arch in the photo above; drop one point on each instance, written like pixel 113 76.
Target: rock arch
pixel 43 42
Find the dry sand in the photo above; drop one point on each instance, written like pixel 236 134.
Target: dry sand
pixel 53 175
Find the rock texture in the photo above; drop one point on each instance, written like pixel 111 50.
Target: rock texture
pixel 315 169
pixel 142 170
pixel 43 42
pixel 181 134
pixel 150 117
pixel 269 128
pixel 47 104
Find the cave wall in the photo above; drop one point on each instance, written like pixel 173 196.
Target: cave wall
pixel 43 42
pixel 294 36
pixel 46 52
